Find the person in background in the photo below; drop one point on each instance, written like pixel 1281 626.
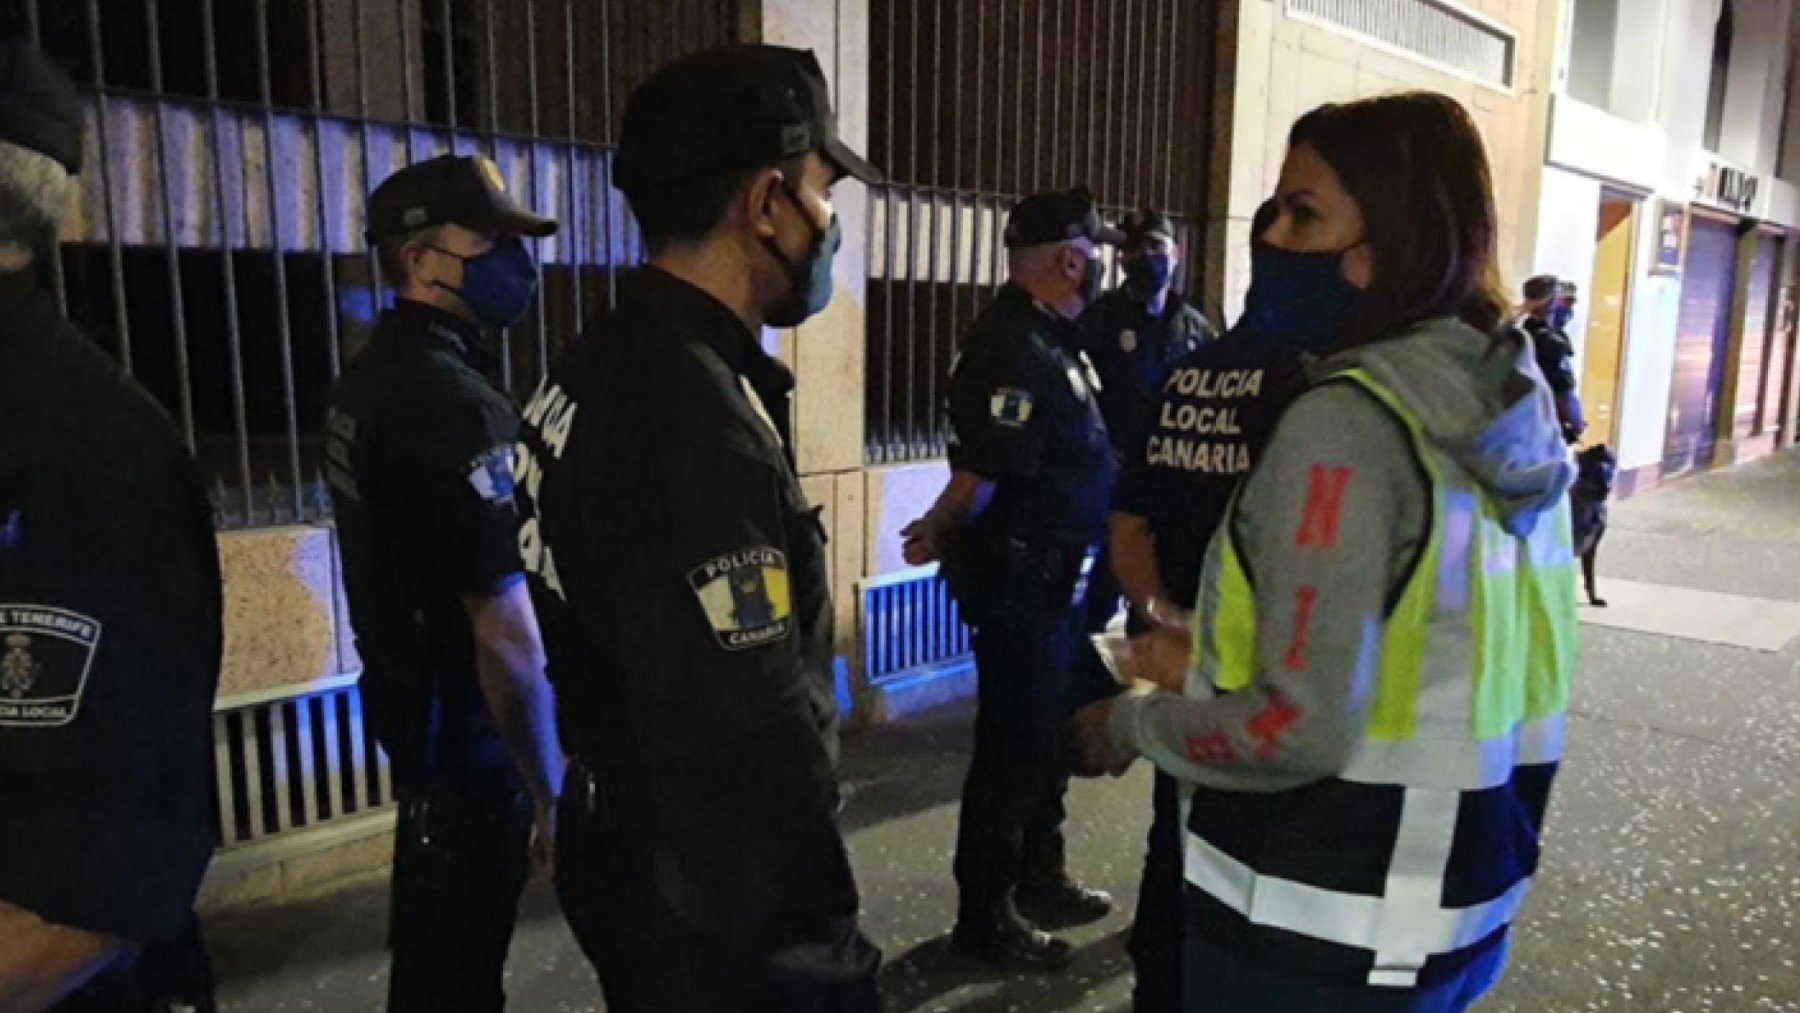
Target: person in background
pixel 1385 628
pixel 1133 337
pixel 1207 431
pixel 1031 475
pixel 1545 315
pixel 419 459
pixel 110 627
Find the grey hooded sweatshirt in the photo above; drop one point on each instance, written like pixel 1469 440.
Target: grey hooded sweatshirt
pixel 1328 526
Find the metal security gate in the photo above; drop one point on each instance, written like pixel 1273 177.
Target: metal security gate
pixel 1705 322
pixel 974 103
pixel 216 243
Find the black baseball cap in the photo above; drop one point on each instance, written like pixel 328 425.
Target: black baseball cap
pixel 40 109
pixel 465 190
pixel 1141 225
pixel 1058 217
pixel 1542 287
pixel 733 108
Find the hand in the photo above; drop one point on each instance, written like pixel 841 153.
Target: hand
pixel 1093 735
pixel 543 837
pixel 923 541
pixel 1160 655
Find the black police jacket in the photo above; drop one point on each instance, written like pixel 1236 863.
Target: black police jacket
pixel 1023 411
pixel 679 576
pixel 1133 352
pixel 419 459
pixel 1216 413
pixel 110 638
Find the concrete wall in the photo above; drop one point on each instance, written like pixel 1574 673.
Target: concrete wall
pixel 1286 67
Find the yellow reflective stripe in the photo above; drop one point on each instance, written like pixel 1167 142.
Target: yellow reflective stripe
pixel 1233 626
pixel 1394 711
pixel 1550 621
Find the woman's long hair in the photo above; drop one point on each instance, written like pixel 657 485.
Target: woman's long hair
pixel 1415 164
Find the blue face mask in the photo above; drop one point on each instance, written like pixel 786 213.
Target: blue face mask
pixel 1560 317
pixel 1147 275
pixel 809 278
pixel 497 285
pixel 1297 297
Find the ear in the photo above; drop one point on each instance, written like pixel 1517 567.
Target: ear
pixel 759 200
pixel 414 255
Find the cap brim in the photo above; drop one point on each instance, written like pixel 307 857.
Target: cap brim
pixel 852 163
pixel 524 223
pixel 1109 235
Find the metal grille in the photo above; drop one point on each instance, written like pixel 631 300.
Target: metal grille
pixel 976 102
pixel 909 623
pixel 216 246
pixel 295 761
pixel 1436 30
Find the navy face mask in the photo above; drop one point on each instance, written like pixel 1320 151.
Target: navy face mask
pixel 1149 274
pixel 1297 297
pixel 809 278
pixel 1560 316
pixel 497 285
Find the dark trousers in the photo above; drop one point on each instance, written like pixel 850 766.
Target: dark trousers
pixel 462 854
pixel 1010 833
pixel 163 977
pixel 1157 929
pixel 633 911
pixel 1220 982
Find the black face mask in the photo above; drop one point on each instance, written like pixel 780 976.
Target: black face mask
pixel 1148 275
pixel 1090 282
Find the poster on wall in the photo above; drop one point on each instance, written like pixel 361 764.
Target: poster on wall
pixel 1671 237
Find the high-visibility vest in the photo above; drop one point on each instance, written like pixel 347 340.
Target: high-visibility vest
pixel 1417 857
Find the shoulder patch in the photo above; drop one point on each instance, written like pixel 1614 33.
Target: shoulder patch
pixel 745 596
pixel 45 657
pixel 1010 406
pixel 491 473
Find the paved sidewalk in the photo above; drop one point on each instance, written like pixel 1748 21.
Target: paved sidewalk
pixel 1671 879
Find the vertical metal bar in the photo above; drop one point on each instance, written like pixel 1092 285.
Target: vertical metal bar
pixel 222 765
pixel 569 240
pixel 531 81
pixel 1037 103
pixel 1094 140
pixel 253 793
pixel 956 180
pixel 171 246
pixel 978 181
pixel 34 30
pixel 333 348
pixel 283 327
pixel 335 756
pixel 359 43
pixel 449 46
pixel 1143 112
pixel 937 206
pixel 1056 93
pixel 999 121
pixel 228 269
pixel 606 135
pixel 115 247
pixel 1105 140
pixel 309 768
pixel 407 116
pixel 887 197
pixel 1018 121
pixel 1147 157
pixel 493 104
pixel 1169 109
pixel 278 768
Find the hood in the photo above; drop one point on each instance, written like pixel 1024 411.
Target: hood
pixel 1482 400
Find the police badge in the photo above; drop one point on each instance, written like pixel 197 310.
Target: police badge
pixel 1128 341
pixel 44 667
pixel 18 669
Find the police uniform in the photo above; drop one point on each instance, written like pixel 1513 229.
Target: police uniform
pixel 1025 417
pixel 1555 355
pixel 419 459
pixel 110 635
pixel 1215 415
pixel 1133 351
pixel 680 577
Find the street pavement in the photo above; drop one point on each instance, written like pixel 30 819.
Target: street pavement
pixel 1670 879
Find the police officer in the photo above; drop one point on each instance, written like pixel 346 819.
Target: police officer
pixel 419 458
pixel 681 572
pixel 109 627
pixel 1548 308
pixel 1134 336
pixel 1206 431
pixel 1031 475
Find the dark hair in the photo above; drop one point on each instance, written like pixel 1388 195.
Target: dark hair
pixel 1264 218
pixel 1415 165
pixel 690 210
pixel 1541 287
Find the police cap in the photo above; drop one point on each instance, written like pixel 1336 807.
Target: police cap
pixel 1139 226
pixel 39 107
pixel 730 109
pixel 1058 217
pixel 450 190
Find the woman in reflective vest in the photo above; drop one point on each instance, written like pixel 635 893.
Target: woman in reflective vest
pixel 1386 624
